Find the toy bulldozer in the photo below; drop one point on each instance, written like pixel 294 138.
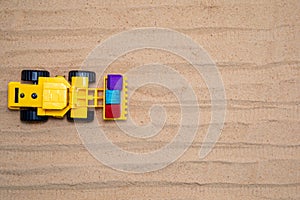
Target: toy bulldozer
pixel 40 96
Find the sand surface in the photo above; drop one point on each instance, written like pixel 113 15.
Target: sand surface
pixel 256 47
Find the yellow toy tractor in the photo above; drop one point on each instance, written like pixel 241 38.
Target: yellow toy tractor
pixel 40 96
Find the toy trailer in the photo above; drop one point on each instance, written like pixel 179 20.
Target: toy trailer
pixel 41 96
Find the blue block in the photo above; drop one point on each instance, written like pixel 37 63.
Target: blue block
pixel 112 97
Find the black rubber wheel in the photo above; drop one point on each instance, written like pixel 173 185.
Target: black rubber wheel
pixel 30 115
pixel 33 75
pixel 90 117
pixel 89 74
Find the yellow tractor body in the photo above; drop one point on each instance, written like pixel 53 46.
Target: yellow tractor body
pixel 55 96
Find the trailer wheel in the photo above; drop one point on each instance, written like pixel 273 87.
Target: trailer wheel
pixel 90 117
pixel 33 75
pixel 30 115
pixel 89 74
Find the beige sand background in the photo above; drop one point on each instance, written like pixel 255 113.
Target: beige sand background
pixel 256 45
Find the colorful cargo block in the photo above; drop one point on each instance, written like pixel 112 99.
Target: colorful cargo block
pixel 112 97
pixel 114 82
pixel 113 111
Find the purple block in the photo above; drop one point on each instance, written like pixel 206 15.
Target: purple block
pixel 114 82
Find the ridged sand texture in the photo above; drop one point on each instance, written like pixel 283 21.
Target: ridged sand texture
pixel 256 46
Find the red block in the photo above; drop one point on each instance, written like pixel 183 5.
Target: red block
pixel 113 111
